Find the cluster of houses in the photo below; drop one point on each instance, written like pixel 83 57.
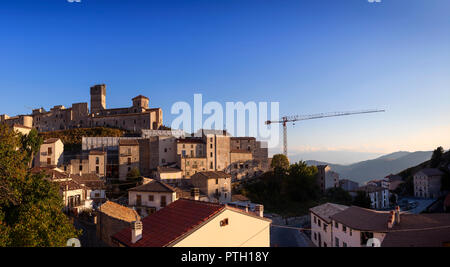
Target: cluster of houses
pixel 197 205
pixel 334 225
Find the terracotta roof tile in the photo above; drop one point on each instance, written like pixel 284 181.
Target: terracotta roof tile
pixel 327 210
pixel 128 142
pixel 119 212
pixel 170 223
pixel 211 175
pixel 153 186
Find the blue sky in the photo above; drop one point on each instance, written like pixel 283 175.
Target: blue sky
pixel 310 55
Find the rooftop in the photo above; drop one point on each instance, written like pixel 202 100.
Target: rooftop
pixel 154 186
pixel 212 175
pixel 119 212
pixel 419 230
pixel 370 188
pixel 430 172
pixel 327 210
pixel 363 219
pixel 164 227
pixel 167 169
pixel 128 142
pixel 51 140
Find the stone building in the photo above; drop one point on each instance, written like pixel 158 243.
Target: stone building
pixel 111 218
pixel 326 178
pixel 135 118
pixel 92 162
pixel 151 197
pixel 427 183
pixel 128 157
pixel 215 184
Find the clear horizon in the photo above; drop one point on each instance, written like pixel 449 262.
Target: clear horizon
pixel 349 55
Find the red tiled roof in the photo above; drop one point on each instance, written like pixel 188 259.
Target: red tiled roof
pixel 211 175
pixel 51 140
pixel 170 223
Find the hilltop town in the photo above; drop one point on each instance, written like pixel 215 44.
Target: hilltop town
pixel 138 183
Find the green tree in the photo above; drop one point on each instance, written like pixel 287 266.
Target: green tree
pixel 338 195
pixel 134 173
pixel 30 206
pixel 31 144
pixel 436 157
pixel 362 200
pixel 280 161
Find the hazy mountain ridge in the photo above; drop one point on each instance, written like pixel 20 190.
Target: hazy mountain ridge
pixel 378 168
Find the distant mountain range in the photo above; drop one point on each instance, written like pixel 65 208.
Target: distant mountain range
pixel 378 168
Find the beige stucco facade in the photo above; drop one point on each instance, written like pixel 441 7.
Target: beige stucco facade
pixel 50 154
pixel 146 203
pixel 218 189
pixel 242 231
pixel 128 159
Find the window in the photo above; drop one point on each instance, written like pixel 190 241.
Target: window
pixel 211 145
pixel 49 150
pixel 97 195
pixel 336 242
pixel 129 161
pixel 336 224
pixel 49 161
pixel 351 232
pixel 163 201
pixel 211 165
pixel 97 169
pixel 315 236
pixel 344 228
pixel 97 160
pixel 344 244
pixel 81 168
pixel 217 192
pixel 138 200
pixel 224 222
pixel 315 220
pixel 211 154
pixel 217 181
pixel 325 227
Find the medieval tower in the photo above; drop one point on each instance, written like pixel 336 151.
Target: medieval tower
pixel 98 98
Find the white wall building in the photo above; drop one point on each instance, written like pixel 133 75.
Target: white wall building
pixel 427 183
pixel 205 224
pixel 50 153
pixel 321 224
pixel 151 197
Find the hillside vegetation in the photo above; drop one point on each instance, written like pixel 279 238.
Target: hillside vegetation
pixel 72 138
pixel 441 162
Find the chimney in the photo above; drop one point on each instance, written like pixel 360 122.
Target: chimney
pixel 136 231
pixel 397 215
pixel 195 193
pixel 259 209
pixel 391 220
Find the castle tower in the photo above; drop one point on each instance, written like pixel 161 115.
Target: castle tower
pixel 140 101
pixel 98 98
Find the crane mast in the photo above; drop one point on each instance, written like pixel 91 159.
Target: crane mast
pixel 296 118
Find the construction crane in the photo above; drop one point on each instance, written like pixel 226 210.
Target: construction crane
pixel 296 118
